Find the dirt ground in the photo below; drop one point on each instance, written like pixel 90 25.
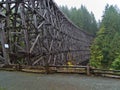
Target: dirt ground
pixel 28 81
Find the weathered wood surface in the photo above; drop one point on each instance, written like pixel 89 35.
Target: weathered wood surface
pixel 90 71
pixel 38 33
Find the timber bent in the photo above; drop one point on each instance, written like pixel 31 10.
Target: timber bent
pixel 36 32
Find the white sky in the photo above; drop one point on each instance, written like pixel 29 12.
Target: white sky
pixel 96 6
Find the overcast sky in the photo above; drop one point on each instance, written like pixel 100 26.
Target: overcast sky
pixel 96 6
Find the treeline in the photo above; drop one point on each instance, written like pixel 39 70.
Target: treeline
pixel 105 51
pixel 82 18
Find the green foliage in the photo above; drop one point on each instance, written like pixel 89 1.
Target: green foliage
pixel 2 88
pixel 96 49
pixel 82 18
pixel 116 63
pixel 107 39
pixel 96 57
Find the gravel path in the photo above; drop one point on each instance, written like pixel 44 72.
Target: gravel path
pixel 27 81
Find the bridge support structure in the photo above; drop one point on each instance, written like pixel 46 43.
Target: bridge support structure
pixel 5 58
pixel 38 33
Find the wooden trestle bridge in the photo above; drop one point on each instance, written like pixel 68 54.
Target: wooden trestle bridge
pixel 36 32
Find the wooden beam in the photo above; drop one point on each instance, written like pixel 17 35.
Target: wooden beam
pixel 3 42
pixel 39 27
pixel 31 49
pixel 36 61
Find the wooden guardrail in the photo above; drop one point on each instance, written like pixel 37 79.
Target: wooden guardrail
pixel 88 70
pixel 105 72
pixel 70 69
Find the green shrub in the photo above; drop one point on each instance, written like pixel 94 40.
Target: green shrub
pixel 116 63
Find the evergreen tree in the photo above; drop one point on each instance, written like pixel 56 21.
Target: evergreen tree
pixel 110 33
pixel 96 49
pixel 82 18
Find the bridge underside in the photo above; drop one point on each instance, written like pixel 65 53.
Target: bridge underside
pixel 36 32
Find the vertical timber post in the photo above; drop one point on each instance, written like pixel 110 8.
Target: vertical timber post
pixel 88 69
pixel 23 18
pixel 5 53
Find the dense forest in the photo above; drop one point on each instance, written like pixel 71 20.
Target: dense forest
pixel 105 49
pixel 82 18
